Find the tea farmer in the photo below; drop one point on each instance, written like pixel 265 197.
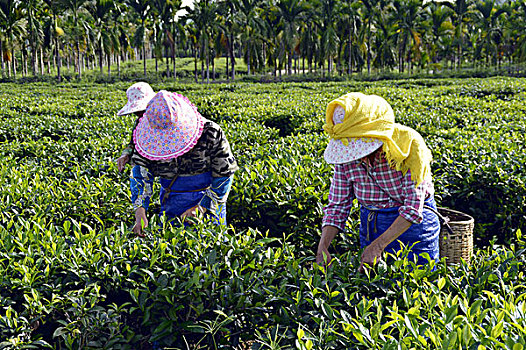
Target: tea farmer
pixel 139 94
pixel 386 167
pixel 189 154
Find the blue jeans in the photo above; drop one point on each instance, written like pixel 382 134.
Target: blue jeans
pixel 187 192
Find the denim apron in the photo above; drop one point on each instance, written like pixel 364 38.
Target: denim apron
pixel 185 193
pixel 424 237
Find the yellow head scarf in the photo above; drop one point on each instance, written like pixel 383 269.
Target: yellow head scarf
pixel 370 116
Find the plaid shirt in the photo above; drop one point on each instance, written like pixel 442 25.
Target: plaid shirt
pixel 375 186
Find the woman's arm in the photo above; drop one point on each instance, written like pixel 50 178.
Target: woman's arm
pixel 141 186
pixel 216 196
pixel 327 235
pixel 336 212
pixel 373 252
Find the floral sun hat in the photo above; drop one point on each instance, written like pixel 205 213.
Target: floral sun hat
pixel 170 127
pixel 139 94
pixel 356 148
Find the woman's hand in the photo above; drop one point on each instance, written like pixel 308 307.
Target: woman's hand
pixel 193 212
pixel 327 235
pixel 374 250
pixel 370 256
pixel 122 161
pixel 141 221
pixel 323 253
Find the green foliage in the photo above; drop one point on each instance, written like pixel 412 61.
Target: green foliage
pixel 73 276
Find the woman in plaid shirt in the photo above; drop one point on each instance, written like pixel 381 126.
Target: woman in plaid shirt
pixel 386 167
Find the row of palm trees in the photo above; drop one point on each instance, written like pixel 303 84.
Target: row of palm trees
pixel 272 36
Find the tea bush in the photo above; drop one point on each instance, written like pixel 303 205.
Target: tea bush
pixel 73 275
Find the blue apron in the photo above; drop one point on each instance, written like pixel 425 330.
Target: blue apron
pixel 186 192
pixel 424 236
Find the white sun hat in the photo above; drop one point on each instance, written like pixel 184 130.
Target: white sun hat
pixel 359 147
pixel 139 94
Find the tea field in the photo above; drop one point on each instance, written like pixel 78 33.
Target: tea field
pixel 73 276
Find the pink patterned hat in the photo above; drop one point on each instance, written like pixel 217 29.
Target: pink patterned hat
pixel 169 128
pixel 139 94
pixel 338 153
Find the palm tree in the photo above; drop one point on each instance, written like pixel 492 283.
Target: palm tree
pixel 308 34
pixel 461 9
pixel 486 17
pixel 329 37
pixel 55 32
pixel 34 26
pixel 273 35
pixel 142 8
pixel 120 31
pixel 12 29
pixel 203 19
pixel 369 13
pixel 408 19
pixel 517 30
pixel 290 13
pixel 166 10
pixel 228 25
pixel 75 7
pixel 350 18
pixel 101 10
pixel 251 26
pixel 385 41
pixel 440 27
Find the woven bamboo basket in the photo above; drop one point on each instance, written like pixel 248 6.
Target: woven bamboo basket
pixel 456 235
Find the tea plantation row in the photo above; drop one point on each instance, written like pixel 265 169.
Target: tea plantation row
pixel 73 275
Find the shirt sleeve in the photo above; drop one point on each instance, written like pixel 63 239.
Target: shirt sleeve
pixel 341 196
pixel 414 198
pixel 222 161
pixel 141 185
pixel 216 196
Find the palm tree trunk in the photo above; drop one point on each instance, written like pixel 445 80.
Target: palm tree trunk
pixel 369 48
pixel 77 61
pixel 202 69
pixel 33 61
pixel 232 58
pixel 57 55
pixel 24 63
pixel 173 59
pixel 213 69
pixel 195 64
pixel 100 58
pixel 167 61
pixel 248 59
pixel 77 44
pixel 2 57
pixel 14 65
pixel 41 61
pixel 349 62
pixel 227 68
pixel 207 67
pixel 108 57
pixel 144 48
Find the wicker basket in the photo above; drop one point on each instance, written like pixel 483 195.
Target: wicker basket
pixel 456 235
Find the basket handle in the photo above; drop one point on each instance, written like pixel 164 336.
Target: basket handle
pixel 444 221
